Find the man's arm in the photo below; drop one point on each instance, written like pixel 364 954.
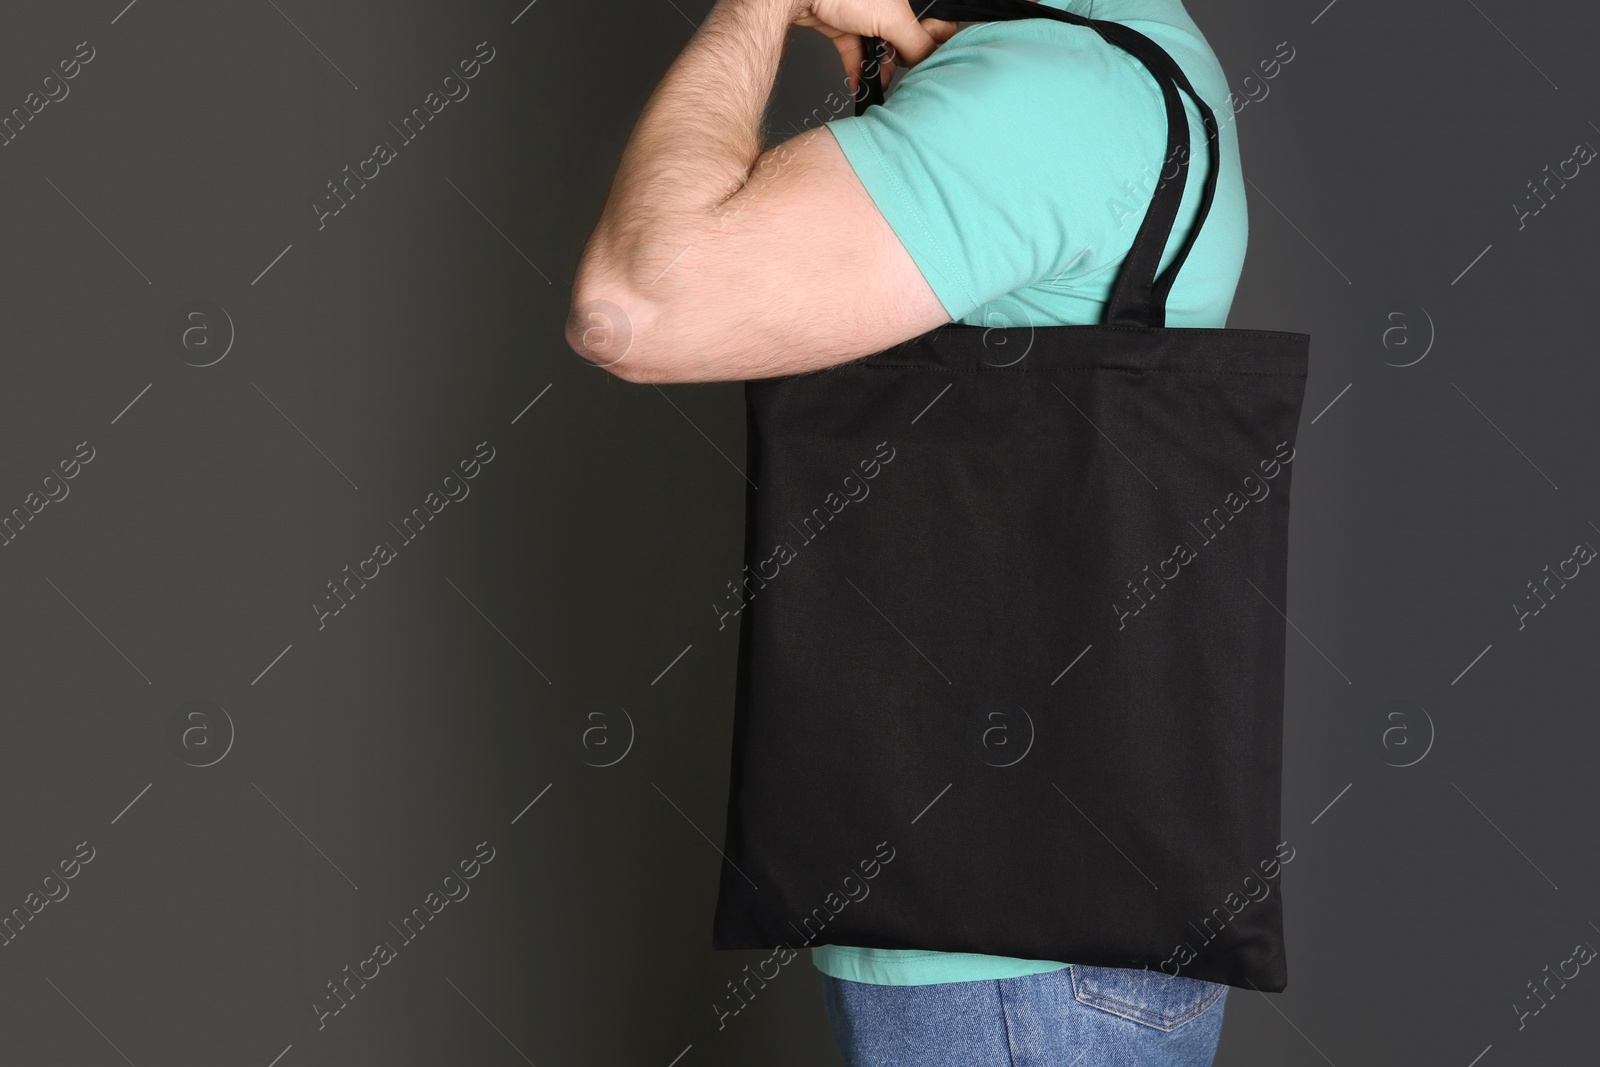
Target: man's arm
pixel 713 260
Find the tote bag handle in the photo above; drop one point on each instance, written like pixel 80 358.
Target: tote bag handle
pixel 1139 297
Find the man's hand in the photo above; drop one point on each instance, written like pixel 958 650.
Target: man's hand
pixel 847 22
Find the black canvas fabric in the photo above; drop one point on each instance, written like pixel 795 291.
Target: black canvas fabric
pixel 1012 637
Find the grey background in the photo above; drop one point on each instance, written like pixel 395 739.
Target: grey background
pixel 457 688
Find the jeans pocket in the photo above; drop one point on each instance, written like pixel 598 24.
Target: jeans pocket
pixel 1150 998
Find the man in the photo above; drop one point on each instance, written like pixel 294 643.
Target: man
pixel 1000 184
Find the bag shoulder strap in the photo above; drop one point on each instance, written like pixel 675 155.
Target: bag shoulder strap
pixel 1139 296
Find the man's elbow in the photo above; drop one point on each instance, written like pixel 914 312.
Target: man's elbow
pixel 600 328
pixel 622 332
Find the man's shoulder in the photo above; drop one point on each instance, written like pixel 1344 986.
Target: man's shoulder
pixel 1047 53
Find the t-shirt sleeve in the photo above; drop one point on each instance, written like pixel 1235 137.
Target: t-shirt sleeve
pixel 1019 153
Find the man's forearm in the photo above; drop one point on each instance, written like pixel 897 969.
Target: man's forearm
pixel 695 144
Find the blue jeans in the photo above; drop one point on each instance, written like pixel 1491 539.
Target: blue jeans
pixel 1076 1017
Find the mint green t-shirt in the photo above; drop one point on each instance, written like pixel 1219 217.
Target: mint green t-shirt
pixel 1015 165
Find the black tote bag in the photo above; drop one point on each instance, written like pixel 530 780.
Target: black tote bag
pixel 1011 655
